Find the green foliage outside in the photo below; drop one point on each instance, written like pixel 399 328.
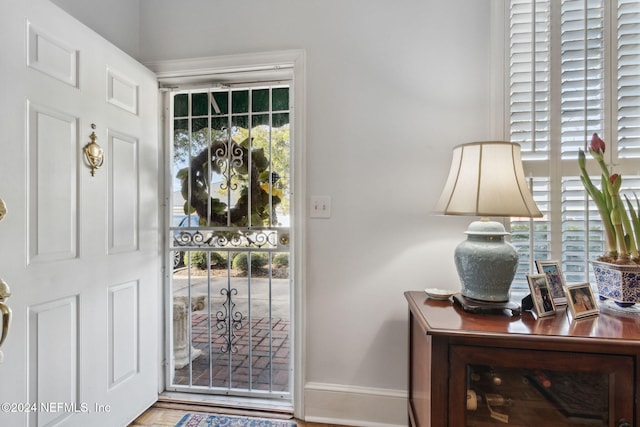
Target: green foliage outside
pixel 279 150
pixel 281 260
pixel 270 134
pixel 240 262
pixel 199 259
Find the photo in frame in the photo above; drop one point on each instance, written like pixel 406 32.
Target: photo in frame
pixel 541 294
pixel 581 301
pixel 555 278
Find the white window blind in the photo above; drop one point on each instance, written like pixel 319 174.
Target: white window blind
pixel 530 77
pixel 628 82
pixel 574 70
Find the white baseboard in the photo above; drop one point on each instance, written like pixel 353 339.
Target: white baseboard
pixel 355 406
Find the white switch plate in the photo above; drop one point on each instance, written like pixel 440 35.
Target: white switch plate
pixel 320 207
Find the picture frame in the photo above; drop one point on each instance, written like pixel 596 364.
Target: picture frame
pixel 555 278
pixel 581 300
pixel 541 294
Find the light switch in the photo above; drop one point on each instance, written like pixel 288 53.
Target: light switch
pixel 320 207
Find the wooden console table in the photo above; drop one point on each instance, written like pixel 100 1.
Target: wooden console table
pixel 494 370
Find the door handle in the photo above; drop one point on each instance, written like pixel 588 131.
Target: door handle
pixel 3 209
pixel 5 312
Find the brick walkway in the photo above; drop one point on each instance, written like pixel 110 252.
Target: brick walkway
pixel 262 371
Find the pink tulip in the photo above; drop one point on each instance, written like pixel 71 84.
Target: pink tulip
pixel 597 144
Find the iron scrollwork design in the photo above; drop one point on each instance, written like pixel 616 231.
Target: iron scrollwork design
pixel 229 320
pixel 228 157
pixel 210 238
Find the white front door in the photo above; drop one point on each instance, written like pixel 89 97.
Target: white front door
pixel 80 252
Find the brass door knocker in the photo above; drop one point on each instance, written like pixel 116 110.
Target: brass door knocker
pixel 93 153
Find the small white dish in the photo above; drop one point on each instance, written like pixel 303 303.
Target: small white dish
pixel 442 294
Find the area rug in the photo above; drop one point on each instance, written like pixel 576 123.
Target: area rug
pixel 210 420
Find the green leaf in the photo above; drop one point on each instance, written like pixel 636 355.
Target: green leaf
pixel 188 209
pixel 182 173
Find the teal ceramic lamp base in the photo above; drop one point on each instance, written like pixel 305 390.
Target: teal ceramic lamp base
pixel 486 263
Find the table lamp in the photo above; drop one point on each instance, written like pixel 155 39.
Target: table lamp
pixel 486 179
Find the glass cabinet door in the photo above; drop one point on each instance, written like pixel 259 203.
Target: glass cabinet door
pixel 508 387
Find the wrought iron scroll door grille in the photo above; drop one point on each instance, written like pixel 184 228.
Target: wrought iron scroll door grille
pixel 229 241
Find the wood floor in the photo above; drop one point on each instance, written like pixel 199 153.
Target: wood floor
pixel 166 417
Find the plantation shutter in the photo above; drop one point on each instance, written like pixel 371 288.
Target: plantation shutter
pixel 628 67
pixel 530 122
pixel 530 83
pixel 574 70
pixel 582 73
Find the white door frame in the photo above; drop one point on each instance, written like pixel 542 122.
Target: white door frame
pixel 201 70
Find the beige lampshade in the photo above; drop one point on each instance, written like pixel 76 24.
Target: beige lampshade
pixel 487 179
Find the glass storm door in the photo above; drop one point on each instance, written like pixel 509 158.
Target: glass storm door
pixel 229 241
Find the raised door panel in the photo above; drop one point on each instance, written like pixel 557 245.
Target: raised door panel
pixel 53 362
pixel 124 340
pixel 122 92
pixel 53 152
pixel 123 192
pixel 52 56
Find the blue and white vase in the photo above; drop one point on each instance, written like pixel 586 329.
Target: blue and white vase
pixel 620 283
